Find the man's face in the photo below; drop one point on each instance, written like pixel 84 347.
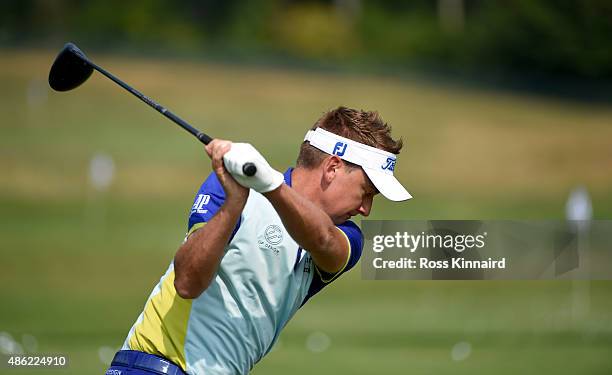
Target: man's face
pixel 350 193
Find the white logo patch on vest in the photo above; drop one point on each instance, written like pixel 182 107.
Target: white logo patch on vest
pixel 273 236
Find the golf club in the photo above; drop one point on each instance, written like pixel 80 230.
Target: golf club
pixel 71 68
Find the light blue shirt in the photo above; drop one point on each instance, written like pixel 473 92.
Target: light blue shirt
pixel 262 280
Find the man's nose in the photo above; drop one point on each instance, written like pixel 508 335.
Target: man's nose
pixel 366 206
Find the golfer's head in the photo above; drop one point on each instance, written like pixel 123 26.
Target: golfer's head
pixel 355 155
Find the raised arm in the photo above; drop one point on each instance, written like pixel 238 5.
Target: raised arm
pixel 198 258
pixel 312 228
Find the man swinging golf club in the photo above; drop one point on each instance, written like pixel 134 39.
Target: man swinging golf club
pixel 259 247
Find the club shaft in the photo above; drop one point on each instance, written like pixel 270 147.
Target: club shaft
pixel 248 169
pixel 174 118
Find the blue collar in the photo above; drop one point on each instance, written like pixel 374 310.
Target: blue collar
pixel 287 175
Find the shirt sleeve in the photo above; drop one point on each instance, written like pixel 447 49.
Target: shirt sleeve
pixel 355 238
pixel 209 198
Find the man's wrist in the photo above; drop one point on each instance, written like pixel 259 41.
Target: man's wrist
pixel 273 193
pixel 233 206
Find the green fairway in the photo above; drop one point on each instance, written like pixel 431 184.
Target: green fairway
pixel 78 264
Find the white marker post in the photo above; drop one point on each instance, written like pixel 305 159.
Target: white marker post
pixel 579 213
pixel 101 175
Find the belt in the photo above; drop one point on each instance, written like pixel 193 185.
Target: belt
pixel 146 361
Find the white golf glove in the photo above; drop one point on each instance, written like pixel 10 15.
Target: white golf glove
pixel 266 179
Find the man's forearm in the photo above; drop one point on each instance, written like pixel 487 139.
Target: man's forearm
pixel 197 260
pixel 310 226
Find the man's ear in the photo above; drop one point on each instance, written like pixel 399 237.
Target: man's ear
pixel 331 166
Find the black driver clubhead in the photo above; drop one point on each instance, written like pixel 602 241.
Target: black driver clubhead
pixel 70 69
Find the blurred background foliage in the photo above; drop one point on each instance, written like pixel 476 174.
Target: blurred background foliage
pixel 564 38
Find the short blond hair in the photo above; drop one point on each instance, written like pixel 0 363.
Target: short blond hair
pixel 366 127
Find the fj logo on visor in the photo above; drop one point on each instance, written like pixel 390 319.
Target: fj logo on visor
pixel 340 148
pixel 389 164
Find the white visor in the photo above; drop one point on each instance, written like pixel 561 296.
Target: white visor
pixel 377 164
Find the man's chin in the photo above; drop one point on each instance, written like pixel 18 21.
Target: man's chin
pixel 340 219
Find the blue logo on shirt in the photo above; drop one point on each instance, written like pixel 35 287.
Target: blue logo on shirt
pixel 389 165
pixel 339 149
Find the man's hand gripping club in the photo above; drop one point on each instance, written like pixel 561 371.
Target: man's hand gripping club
pixel 265 180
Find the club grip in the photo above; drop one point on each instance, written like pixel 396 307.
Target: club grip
pixel 202 137
pixel 249 169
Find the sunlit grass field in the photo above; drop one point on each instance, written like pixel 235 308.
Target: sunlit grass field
pixel 78 263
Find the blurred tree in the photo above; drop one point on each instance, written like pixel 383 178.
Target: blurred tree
pixel 315 30
pixel 564 37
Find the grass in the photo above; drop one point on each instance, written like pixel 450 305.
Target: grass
pixel 77 264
